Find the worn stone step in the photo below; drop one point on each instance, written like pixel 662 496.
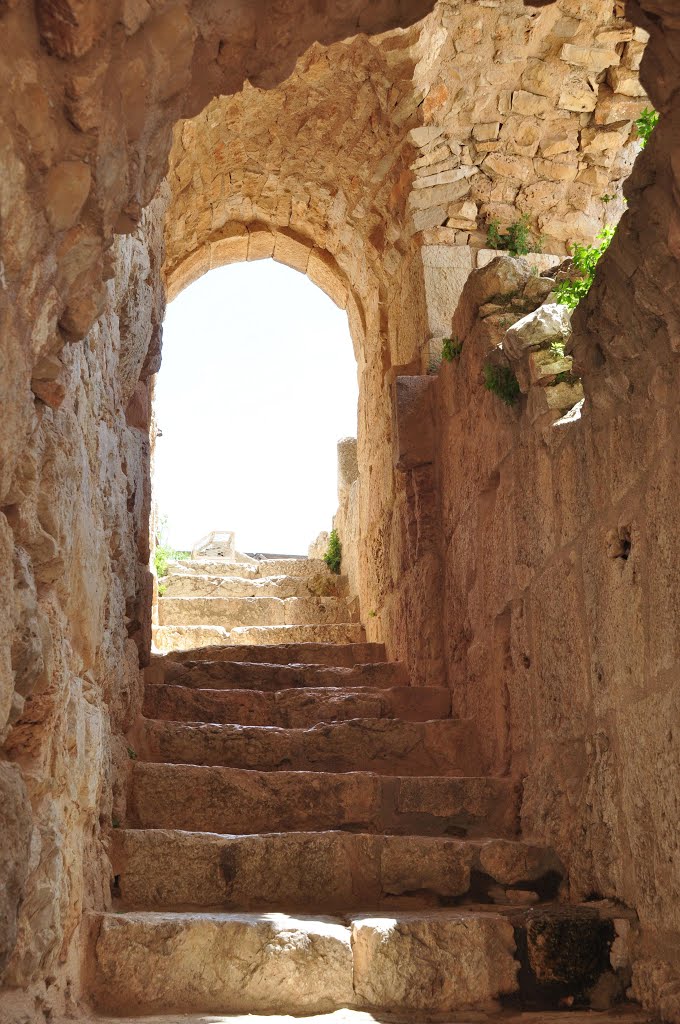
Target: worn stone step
pixel 225 962
pixel 193 638
pixel 301 567
pixel 259 675
pixel 295 707
pixel 628 1013
pixel 232 612
pixel 199 798
pixel 387 746
pixel 324 872
pixel 183 584
pixel 329 654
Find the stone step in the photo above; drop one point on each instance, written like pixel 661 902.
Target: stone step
pixel 627 1013
pixel 302 567
pixel 295 708
pixel 259 675
pixel 232 612
pixel 420 962
pixel 243 963
pixel 308 653
pixel 386 746
pixel 323 872
pixel 193 638
pixel 325 584
pixel 198 798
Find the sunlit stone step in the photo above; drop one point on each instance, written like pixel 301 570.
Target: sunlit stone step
pixel 200 798
pixel 295 707
pixel 193 638
pixel 240 963
pixel 203 585
pixel 324 872
pixel 231 612
pixel 303 567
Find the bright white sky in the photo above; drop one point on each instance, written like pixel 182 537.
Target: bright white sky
pixel 258 384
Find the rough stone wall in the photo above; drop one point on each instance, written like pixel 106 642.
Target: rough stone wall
pixel 560 578
pixel 90 92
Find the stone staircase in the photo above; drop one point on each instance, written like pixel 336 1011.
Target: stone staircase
pixel 273 601
pixel 307 833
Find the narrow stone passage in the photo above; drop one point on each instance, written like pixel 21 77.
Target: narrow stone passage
pixel 308 832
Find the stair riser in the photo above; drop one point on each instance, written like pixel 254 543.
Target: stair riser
pixel 227 800
pixel 185 585
pixel 300 567
pixel 294 708
pixel 174 638
pixel 226 675
pixel 387 747
pixel 332 654
pixel 252 611
pixel 314 872
pixel 285 966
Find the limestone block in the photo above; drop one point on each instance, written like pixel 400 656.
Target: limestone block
pixel 544 366
pixel 434 962
pixel 348 463
pixel 625 81
pixel 530 105
pixel 486 132
pixel 546 324
pixel 578 94
pixel 222 962
pixel 413 422
pixel 557 398
pixel 229 250
pixel 594 58
pixel 292 252
pixel 446 269
pixel 614 107
pixel 261 244
pixel 462 215
pixel 321 269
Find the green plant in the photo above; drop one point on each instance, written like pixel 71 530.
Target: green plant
pixel 607 198
pixel 501 381
pixel 162 587
pixel 451 349
pixel 646 123
pixel 557 348
pixel 333 556
pixel 372 614
pixel 585 258
pixel 132 754
pixel 164 554
pixel 517 239
pixel 565 377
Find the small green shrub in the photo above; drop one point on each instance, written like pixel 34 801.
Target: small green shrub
pixel 501 381
pixel 585 258
pixel 517 239
pixel 132 754
pixel 163 555
pixel 645 124
pixel 162 587
pixel 333 556
pixel 451 349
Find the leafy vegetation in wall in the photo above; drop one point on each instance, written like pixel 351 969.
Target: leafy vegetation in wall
pixel 517 239
pixel 163 555
pixel 333 556
pixel 585 258
pixel 502 382
pixel 451 349
pixel 646 123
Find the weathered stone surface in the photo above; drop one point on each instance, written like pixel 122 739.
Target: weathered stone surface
pixel 296 707
pixel 209 799
pixel 443 962
pixel 15 839
pixel 247 963
pixel 549 323
pixel 389 747
pixel 231 612
pixel 310 871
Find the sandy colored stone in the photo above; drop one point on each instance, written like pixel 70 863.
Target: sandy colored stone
pixel 442 962
pixel 247 963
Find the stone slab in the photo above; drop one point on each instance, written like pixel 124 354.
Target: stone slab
pixel 252 674
pixel 386 746
pixel 199 798
pixel 231 612
pixel 295 708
